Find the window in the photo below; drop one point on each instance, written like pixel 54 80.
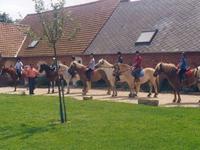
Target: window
pixel 33 44
pixel 146 37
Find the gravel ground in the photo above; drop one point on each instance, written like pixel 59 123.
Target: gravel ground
pixel 165 99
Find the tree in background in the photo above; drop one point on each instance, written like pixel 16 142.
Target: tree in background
pixel 4 17
pixel 53 24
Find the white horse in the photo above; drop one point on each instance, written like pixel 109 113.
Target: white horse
pixel 108 69
pixel 63 70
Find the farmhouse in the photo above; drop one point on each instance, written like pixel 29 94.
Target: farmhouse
pixel 159 29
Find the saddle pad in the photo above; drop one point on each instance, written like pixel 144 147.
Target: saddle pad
pixel 189 73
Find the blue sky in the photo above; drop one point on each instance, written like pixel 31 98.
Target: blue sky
pixel 24 7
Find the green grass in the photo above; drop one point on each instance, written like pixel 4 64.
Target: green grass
pixel 31 123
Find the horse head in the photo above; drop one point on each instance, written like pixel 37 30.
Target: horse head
pixel 44 67
pixel 100 63
pixel 158 69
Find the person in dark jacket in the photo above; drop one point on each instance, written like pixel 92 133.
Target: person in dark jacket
pixel 120 58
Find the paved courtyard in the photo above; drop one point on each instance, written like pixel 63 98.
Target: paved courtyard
pixel 165 99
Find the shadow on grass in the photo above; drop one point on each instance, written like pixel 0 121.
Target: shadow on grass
pixel 24 131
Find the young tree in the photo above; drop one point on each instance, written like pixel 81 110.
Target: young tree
pixel 53 24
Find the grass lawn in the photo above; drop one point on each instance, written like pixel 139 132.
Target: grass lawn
pixel 31 123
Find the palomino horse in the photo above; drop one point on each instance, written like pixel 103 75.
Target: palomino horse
pixel 108 69
pixel 97 75
pixel 170 71
pixel 124 71
pixel 51 75
pixel 64 72
pixel 12 72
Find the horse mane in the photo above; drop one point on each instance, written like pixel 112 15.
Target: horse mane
pixel 63 66
pixel 106 62
pixel 79 65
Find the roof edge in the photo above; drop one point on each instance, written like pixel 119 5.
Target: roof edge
pixel 90 3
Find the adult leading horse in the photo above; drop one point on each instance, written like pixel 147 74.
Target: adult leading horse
pixel 97 75
pixel 170 71
pixel 124 71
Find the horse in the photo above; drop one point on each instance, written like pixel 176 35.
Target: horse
pixel 97 75
pixel 170 71
pixel 108 69
pixel 64 72
pixel 12 72
pixel 51 75
pixel 124 71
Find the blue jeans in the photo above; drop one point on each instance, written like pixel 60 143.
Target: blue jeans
pixel 31 84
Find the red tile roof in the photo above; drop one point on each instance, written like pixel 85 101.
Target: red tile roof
pixel 91 18
pixel 11 39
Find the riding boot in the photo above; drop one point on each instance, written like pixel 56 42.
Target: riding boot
pixel 117 78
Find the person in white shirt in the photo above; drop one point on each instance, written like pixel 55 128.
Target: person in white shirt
pixel 91 67
pixel 18 67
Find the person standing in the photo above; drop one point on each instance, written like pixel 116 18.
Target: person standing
pixel 19 67
pixel 31 74
pixel 137 66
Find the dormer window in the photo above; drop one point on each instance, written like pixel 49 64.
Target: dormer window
pixel 146 37
pixel 33 44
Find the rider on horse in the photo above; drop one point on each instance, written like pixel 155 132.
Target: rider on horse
pixel 91 67
pixel 54 64
pixel 119 60
pixel 19 67
pixel 137 66
pixel 182 66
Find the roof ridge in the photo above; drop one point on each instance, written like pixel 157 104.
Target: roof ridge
pixel 13 24
pixel 117 4
pixel 90 3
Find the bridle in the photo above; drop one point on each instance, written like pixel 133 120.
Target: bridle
pixel 117 71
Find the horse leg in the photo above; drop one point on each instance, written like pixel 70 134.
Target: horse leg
pixel 179 97
pixel 155 90
pixel 53 83
pixel 49 84
pixel 174 96
pixel 68 88
pixel 131 87
pixel 150 90
pixel 15 84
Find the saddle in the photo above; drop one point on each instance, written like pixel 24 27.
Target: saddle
pixel 138 73
pixel 188 73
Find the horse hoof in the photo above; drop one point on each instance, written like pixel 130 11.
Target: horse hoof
pixel 67 93
pixel 149 95
pixel 179 101
pixel 174 101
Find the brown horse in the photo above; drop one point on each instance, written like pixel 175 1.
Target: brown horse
pixel 97 75
pixel 124 71
pixel 51 75
pixel 12 72
pixel 170 71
